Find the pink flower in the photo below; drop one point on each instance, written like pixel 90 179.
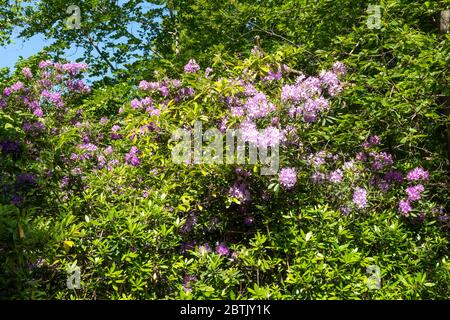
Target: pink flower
pixel 45 64
pixel 17 86
pixel 73 68
pixel 136 104
pixel 414 192
pixel 27 73
pixel 7 92
pixel 38 112
pixel 108 150
pixel 417 174
pixel 145 85
pixel 404 207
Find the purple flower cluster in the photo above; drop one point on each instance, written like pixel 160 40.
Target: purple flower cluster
pixel 339 68
pixel 108 150
pixel 417 174
pixel 191 221
pixel 45 64
pixel 243 173
pixel 191 66
pixel 148 86
pixel 336 176
pixel 287 178
pixel 33 128
pixel 269 137
pixel 101 162
pixel 146 103
pixel 382 184
pixel 114 132
pixel 371 141
pixel 240 192
pixel 222 249
pixel 52 97
pixel 404 207
pixel 78 86
pixel 150 127
pixel 131 158
pixel 208 72
pixel 87 147
pixel 258 106
pixel 360 198
pixel 10 147
pixel 380 160
pixel 51 76
pixel 317 159
pixel 73 68
pixel 27 73
pixel 16 87
pixel 166 88
pixel 393 176
pixel 25 180
pixel 274 75
pixel 331 82
pixel 187 282
pixel 103 120
pixel 306 96
pixel 344 210
pixel 414 192
pixel 235 105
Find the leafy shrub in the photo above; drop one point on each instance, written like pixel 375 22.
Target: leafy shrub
pixel 92 183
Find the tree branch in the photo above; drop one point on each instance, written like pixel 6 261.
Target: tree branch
pixel 100 52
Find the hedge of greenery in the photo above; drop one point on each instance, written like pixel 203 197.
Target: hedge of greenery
pixel 89 179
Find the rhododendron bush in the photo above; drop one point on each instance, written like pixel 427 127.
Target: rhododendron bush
pixel 89 181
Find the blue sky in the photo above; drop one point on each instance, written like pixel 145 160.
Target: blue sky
pixel 11 53
pixel 26 48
